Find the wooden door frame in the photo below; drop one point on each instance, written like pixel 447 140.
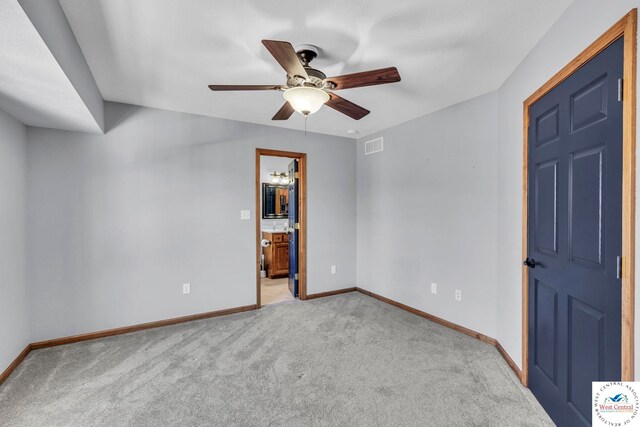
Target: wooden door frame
pixel 627 27
pixel 302 232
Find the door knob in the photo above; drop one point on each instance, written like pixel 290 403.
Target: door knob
pixel 530 262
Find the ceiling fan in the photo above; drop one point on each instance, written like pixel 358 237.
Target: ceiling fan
pixel 307 89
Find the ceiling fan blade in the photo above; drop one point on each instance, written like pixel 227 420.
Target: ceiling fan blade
pixel 365 78
pixel 346 107
pixel 286 56
pixel 284 112
pixel 244 87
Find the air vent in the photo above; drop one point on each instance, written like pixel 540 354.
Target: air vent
pixel 373 146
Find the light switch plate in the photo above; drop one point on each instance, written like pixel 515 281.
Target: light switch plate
pixel 434 288
pixel 333 269
pixel 245 214
pixel 186 288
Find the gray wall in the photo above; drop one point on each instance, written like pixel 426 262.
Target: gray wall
pixel 14 320
pixel 386 244
pixel 581 24
pixel 117 222
pixel 427 210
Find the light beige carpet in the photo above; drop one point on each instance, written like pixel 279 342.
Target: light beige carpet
pixel 347 360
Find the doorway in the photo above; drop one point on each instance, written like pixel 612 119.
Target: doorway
pixel 280 226
pixel 578 228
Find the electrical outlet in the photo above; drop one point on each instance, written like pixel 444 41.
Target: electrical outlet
pixel 186 288
pixel 245 214
pixel 333 269
pixel 458 295
pixel 434 288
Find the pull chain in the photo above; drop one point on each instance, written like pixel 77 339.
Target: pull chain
pixel 305 124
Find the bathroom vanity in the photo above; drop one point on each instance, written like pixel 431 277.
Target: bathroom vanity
pixel 276 255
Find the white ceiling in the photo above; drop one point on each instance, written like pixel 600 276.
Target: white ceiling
pixel 164 53
pixel 33 87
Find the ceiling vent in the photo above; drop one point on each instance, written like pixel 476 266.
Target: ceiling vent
pixel 373 146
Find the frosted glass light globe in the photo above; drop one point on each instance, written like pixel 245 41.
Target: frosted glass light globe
pixel 306 100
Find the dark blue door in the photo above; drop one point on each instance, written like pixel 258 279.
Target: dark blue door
pixel 293 228
pixel 575 238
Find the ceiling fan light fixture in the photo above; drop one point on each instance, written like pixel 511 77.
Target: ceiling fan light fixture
pixel 306 100
pixel 306 88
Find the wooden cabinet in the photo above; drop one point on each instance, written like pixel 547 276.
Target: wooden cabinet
pixel 276 256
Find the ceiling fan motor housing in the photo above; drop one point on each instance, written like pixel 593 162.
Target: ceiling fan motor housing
pixel 315 79
pixel 307 53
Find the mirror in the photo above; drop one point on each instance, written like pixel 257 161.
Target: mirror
pixel 275 201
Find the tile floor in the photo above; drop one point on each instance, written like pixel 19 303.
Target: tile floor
pixel 275 290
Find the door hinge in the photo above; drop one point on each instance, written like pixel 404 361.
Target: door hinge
pixel 619 268
pixel 296 226
pixel 296 276
pixel 296 175
pixel 620 89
